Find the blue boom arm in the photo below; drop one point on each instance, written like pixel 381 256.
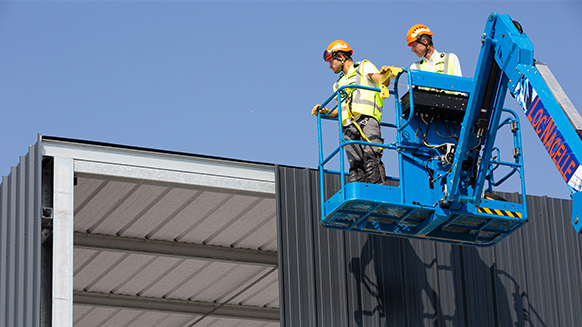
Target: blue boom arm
pixel 553 117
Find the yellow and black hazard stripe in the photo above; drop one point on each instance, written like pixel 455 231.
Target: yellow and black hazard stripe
pixel 498 212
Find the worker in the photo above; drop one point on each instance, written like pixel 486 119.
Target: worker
pixel 361 112
pixel 419 39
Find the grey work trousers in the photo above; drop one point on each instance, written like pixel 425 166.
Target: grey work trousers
pixel 365 161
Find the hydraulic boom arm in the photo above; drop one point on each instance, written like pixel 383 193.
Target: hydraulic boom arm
pixel 507 59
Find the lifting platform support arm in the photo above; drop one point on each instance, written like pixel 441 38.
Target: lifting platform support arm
pixel 506 63
pixel 502 47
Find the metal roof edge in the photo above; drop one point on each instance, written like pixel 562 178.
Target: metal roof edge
pixel 137 148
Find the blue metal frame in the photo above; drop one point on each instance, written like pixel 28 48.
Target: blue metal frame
pixel 384 210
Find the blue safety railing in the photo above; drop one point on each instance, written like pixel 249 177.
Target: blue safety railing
pixel 341 95
pixel 517 166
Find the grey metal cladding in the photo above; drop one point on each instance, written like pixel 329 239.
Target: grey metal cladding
pixel 336 278
pixel 20 242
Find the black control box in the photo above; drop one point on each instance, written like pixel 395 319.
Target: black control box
pixel 435 103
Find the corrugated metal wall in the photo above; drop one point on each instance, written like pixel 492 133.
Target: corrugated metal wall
pixel 20 201
pixel 336 278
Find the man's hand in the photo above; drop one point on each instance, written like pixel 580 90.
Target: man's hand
pixel 390 72
pixel 384 69
pixel 317 108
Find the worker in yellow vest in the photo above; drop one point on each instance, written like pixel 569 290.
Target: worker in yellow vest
pixel 361 112
pixel 419 39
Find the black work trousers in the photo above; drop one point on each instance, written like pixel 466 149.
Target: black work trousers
pixel 365 161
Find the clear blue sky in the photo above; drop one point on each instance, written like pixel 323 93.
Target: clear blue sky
pixel 235 79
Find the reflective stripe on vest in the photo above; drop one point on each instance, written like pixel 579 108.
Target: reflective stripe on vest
pixel 440 65
pixel 359 102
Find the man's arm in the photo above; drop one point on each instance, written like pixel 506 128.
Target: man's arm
pixel 372 72
pixel 375 77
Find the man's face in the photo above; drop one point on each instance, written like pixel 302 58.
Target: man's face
pixel 418 48
pixel 335 64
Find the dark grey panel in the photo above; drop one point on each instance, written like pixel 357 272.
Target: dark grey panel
pixel 337 278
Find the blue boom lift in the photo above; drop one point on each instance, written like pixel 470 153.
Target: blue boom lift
pixel 446 128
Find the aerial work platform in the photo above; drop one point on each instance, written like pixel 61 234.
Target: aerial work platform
pixel 449 163
pixel 418 205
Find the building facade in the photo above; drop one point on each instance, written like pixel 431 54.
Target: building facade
pixel 95 234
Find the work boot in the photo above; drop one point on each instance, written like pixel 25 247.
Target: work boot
pixel 382 171
pixel 373 175
pixel 374 168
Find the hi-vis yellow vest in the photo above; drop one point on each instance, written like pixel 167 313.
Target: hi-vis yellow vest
pixel 359 101
pixel 442 65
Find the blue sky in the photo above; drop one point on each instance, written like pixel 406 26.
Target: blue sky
pixel 236 79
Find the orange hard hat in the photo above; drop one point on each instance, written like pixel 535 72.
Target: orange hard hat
pixel 416 31
pixel 334 47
